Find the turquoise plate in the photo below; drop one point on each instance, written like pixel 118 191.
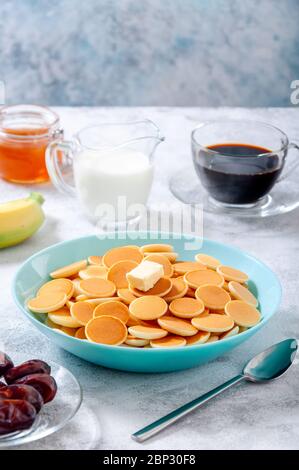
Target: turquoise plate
pixel 35 271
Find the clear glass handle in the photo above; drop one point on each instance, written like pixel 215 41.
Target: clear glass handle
pixel 59 162
pixel 289 166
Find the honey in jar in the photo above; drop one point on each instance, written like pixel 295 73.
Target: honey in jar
pixel 25 132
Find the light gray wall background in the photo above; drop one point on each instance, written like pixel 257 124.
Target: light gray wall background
pixel 149 52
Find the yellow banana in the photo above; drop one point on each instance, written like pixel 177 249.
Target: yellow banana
pixel 20 219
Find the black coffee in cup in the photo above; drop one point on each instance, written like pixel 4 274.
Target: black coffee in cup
pixel 236 173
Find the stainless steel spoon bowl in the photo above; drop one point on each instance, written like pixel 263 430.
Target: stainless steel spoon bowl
pixel 267 365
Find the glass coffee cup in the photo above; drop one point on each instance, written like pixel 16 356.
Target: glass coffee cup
pixel 238 162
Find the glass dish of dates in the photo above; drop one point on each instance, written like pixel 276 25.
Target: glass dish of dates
pixel 36 399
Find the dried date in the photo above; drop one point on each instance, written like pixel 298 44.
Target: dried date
pixel 22 392
pixel 35 366
pixel 16 415
pixel 43 383
pixel 5 363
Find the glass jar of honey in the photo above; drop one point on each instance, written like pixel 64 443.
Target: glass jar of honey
pixel 25 132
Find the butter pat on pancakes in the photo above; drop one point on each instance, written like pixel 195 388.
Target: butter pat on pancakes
pixel 208 261
pixel 69 270
pixel 148 307
pixel 113 309
pixel 242 313
pixel 177 326
pixel 213 297
pixel 232 274
pixel 145 275
pixel 186 307
pixel 240 292
pixel 213 323
pixel 106 330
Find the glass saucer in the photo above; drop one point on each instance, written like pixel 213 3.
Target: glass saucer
pixel 54 415
pixel 284 197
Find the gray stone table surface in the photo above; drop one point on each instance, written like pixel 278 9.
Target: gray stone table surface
pixel 118 403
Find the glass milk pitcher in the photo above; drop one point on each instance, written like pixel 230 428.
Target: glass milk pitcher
pixel 111 166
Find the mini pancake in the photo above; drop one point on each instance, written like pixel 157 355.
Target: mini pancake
pixel 137 342
pixel 106 330
pixel 242 328
pixel 214 297
pixel 69 270
pixel 93 271
pixel 185 266
pixel 190 292
pixel 213 323
pixel 80 333
pixel 97 301
pixel 225 286
pixel 51 324
pixel 200 338
pixel 233 332
pixel 177 326
pixel 82 312
pixel 96 287
pixel 147 332
pixel 62 285
pixel 169 341
pixel 160 289
pixel 212 339
pixel 163 260
pixel 207 260
pixel 118 271
pixel 68 331
pixel 178 289
pixel 156 248
pixel 122 253
pixel 242 313
pixel 126 296
pixel 170 255
pixel 186 307
pixel 199 278
pixel 76 286
pixel 95 260
pixel 47 302
pixel 63 317
pixel 232 274
pixel 149 307
pixel 240 292
pixel 112 309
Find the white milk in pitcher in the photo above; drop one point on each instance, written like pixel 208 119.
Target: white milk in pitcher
pixel 101 177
